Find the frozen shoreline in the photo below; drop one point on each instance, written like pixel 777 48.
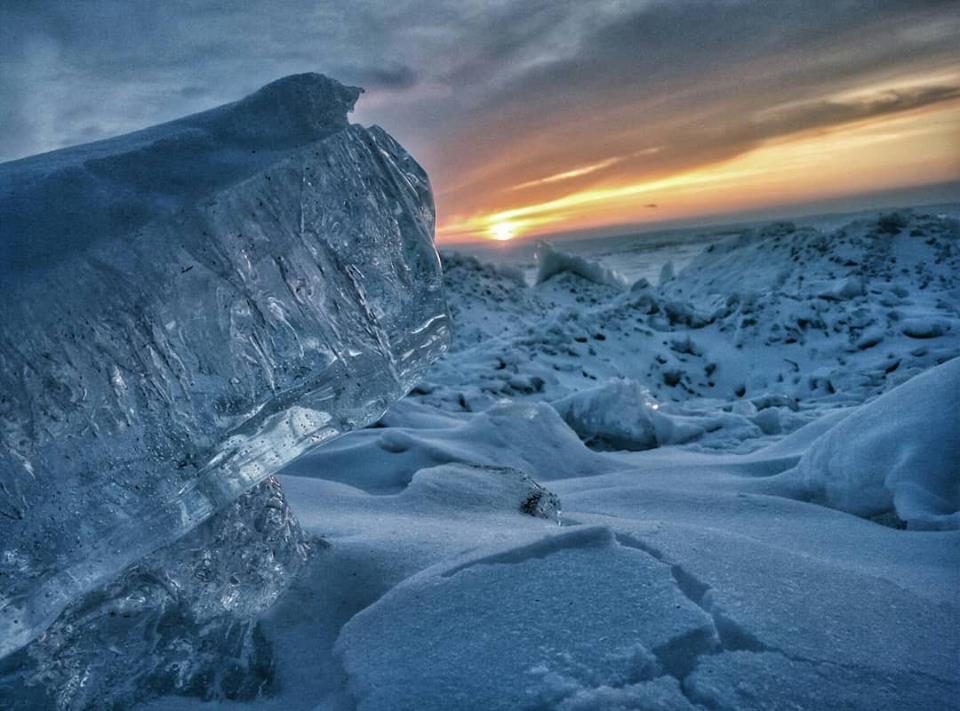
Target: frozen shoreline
pixel 692 572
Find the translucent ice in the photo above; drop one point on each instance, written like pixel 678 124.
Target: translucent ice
pixel 187 618
pixel 187 308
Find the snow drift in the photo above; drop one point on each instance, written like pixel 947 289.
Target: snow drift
pixel 898 454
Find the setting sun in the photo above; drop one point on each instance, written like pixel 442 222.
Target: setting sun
pixel 503 231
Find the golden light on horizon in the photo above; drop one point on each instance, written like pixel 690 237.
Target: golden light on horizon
pixel 503 231
pixel 893 151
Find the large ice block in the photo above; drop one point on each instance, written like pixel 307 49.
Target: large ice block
pixel 184 310
pixel 185 620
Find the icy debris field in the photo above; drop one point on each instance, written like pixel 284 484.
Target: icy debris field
pixel 733 489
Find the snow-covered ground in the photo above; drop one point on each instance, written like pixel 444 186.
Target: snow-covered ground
pixel 727 483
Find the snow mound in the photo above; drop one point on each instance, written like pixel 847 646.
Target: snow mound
pixel 551 261
pixel 453 261
pixel 526 436
pixel 898 454
pixel 463 487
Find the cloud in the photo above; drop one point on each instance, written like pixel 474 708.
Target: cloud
pixel 693 76
pixel 372 77
pixel 549 96
pixel 568 174
pixel 125 65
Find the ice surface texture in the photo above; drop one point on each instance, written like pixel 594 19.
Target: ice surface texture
pixel 184 620
pixel 186 309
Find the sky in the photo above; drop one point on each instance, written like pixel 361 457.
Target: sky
pixel 537 117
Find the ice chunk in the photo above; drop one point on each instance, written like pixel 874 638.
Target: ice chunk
pixel 622 414
pixel 616 415
pixel 551 261
pixel 186 618
pixel 186 309
pixel 667 273
pixel 849 288
pixel 925 327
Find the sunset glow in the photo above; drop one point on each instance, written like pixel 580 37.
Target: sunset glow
pixel 898 150
pixel 503 231
pixel 537 118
